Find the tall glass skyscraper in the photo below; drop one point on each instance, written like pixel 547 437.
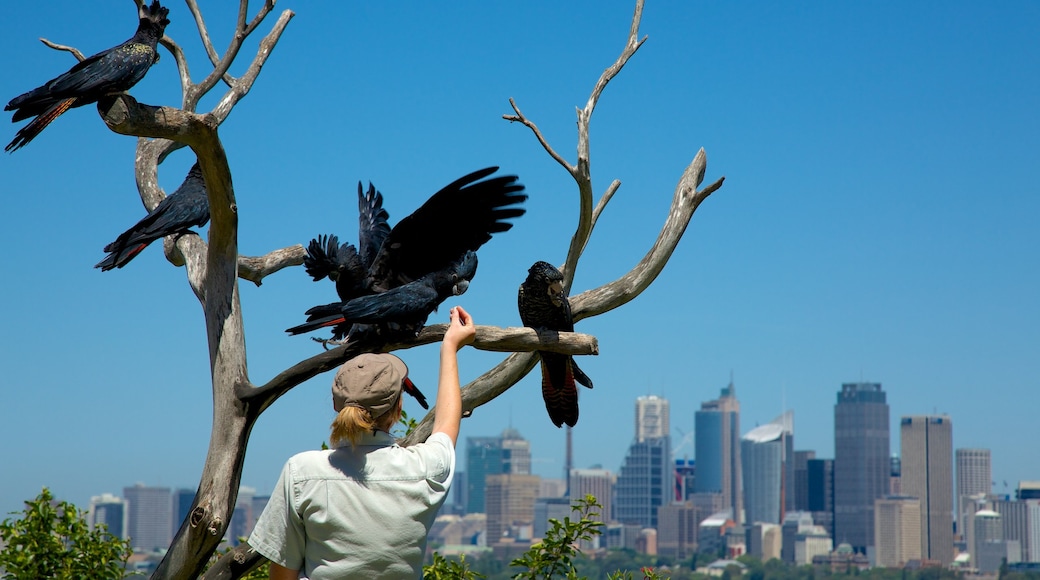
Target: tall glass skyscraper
pixel 507 454
pixel 763 452
pixel 927 460
pixel 861 461
pixel 717 450
pixel 645 481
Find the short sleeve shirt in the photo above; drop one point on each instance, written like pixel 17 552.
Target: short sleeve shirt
pixel 357 511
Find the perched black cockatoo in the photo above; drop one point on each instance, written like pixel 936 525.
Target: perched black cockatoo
pixel 543 305
pixel 106 73
pixel 402 274
pixel 406 306
pixel 183 209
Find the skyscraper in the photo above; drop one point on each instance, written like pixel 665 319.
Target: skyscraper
pixel 149 521
pixel 598 483
pixel 645 481
pixel 717 450
pixel 897 531
pixel 927 460
pixel 861 464
pixel 111 511
pixel 762 456
pixel 801 480
pixel 510 506
pixel 652 418
pixel 820 473
pixel 508 453
pixel 974 477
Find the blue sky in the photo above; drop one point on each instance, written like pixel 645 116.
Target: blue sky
pixel 878 220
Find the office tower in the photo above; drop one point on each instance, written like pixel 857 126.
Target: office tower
pixel 1028 490
pixel 150 515
pixel 510 506
pixel 990 549
pixel 508 453
pixel 598 483
pixel 794 523
pixel 646 479
pixel 652 418
pixel 1014 517
pixel 762 458
pixel 243 517
pixel 861 465
pixel 895 486
pixel 112 511
pixel 644 482
pixel 717 450
pixel 821 492
pixel 897 531
pixel 801 480
pixel 677 530
pixel 927 459
pixel 182 500
pixel 974 477
pixel 1031 549
pixel 546 508
pixel 685 476
pixel 765 541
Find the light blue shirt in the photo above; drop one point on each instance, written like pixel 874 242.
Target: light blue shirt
pixel 357 512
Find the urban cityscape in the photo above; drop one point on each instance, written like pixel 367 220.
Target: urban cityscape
pixel 753 493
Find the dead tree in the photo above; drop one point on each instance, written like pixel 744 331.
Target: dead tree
pixel 213 268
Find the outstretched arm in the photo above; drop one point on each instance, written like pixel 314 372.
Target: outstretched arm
pixel 448 412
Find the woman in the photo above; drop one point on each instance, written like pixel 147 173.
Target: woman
pixel 363 508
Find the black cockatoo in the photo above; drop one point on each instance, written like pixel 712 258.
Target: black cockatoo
pixel 183 209
pixel 109 72
pixel 401 275
pixel 543 305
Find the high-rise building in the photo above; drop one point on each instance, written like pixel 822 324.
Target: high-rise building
pixel 990 548
pixel 974 477
pixel 927 460
pixel 508 453
pixel 149 521
pixel 652 418
pixel 598 483
pixel 762 456
pixel 801 480
pixel 861 464
pixel 897 531
pixel 820 473
pixel 646 479
pixel 111 511
pixel 717 450
pixel 677 530
pixel 644 482
pixel 1014 517
pixel 510 506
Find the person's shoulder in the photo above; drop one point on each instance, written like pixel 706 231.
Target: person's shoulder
pixel 311 457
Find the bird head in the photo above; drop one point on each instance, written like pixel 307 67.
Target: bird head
pixel 551 278
pixel 154 15
pixel 465 270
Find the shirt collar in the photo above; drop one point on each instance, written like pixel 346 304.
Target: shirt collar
pixel 372 439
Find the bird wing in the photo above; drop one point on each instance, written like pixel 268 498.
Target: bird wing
pixel 412 302
pixel 461 216
pixel 558 390
pixel 373 225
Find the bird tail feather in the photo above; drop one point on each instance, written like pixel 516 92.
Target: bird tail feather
pixel 30 131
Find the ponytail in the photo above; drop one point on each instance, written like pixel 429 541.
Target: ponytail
pixel 350 424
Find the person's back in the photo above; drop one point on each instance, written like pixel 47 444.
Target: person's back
pixel 364 508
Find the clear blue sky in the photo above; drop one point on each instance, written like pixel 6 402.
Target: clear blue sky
pixel 878 221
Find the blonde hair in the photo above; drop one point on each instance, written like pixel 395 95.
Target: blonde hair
pixel 351 423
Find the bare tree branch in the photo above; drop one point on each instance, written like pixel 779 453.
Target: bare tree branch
pixel 520 118
pixel 75 51
pixel 256 269
pixel 603 201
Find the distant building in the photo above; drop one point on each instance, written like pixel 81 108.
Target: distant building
pixel 510 507
pixel 242 518
pixel 509 453
pixel 112 512
pixel 149 519
pixel 685 476
pixel 927 454
pixel 897 531
pixel 974 477
pixel 1028 490
pixel 711 532
pixel 182 500
pixel 717 450
pixel 598 483
pixel 795 523
pixel 765 541
pixel 895 480
pixel 652 418
pixel 821 493
pixel 801 480
pixel 677 529
pixel 811 543
pixel 762 456
pixel 546 508
pixel 861 461
pixel 990 549
pixel 646 479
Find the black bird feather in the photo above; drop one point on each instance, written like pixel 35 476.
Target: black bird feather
pixel 109 72
pixel 176 214
pixel 543 305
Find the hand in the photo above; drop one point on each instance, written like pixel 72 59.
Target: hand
pixel 461 329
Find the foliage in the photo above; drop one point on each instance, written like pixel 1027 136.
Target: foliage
pixel 553 556
pixel 444 569
pixel 52 540
pixel 409 424
pixel 647 572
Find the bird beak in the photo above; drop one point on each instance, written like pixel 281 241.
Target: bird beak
pixel 460 287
